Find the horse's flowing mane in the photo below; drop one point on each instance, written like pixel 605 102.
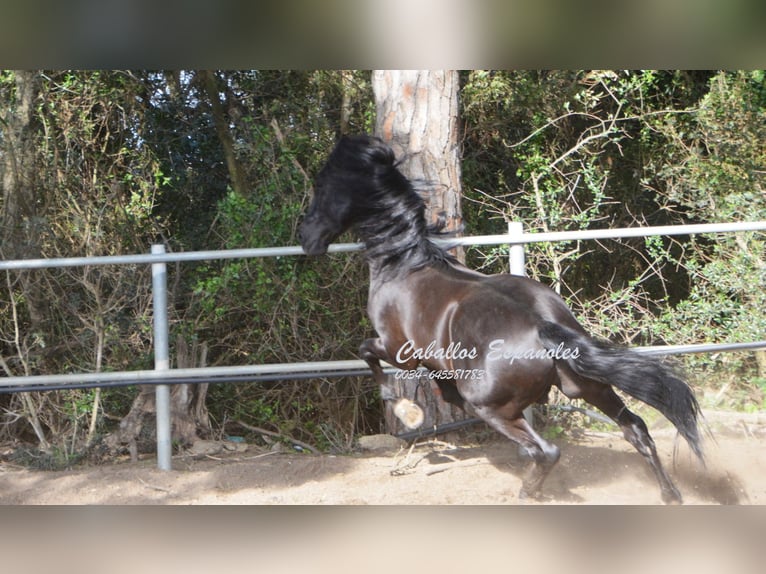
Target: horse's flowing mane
pixel 389 214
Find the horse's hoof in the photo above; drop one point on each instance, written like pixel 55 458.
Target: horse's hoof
pixel 409 413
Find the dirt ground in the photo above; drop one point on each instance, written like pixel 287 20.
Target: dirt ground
pixel 595 469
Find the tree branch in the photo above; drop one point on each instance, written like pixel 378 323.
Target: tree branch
pixel 277 435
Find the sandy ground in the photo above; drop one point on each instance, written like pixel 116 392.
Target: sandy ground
pixel 595 469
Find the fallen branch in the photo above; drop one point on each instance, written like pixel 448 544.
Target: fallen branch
pixel 241 458
pixel 152 486
pixel 405 467
pixel 277 435
pixel 451 465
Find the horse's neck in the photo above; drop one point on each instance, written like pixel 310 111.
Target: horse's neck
pixel 382 277
pixel 386 276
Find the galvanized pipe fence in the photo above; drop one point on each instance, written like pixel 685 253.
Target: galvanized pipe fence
pixel 162 376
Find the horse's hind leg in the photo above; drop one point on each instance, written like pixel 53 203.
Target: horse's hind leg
pixel 633 427
pixel 510 422
pixel 448 391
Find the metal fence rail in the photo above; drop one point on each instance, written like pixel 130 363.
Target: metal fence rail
pixel 273 371
pixel 162 375
pixel 517 237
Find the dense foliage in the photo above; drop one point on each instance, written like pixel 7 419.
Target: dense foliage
pixel 579 150
pixel 110 162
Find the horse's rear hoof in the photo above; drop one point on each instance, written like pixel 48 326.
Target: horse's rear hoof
pixel 409 413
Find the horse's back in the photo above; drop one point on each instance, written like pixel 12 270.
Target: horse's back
pixel 542 301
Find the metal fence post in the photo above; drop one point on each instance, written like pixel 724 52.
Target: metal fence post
pixel 516 258
pixel 516 255
pixel 161 358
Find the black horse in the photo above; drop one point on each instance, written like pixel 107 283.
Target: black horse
pixel 496 342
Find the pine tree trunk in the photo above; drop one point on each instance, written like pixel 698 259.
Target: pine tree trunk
pixel 417 114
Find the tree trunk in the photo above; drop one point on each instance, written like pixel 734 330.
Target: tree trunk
pixel 236 175
pixel 188 412
pixel 346 108
pixel 22 225
pixel 417 114
pixel 20 222
pixel 19 162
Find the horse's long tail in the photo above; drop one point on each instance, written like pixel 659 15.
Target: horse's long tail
pixel 641 376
